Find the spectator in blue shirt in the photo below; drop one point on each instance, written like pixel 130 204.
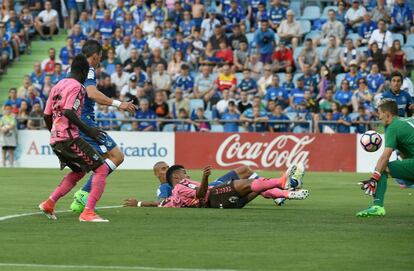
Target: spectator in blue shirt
pixel 77 36
pixel 159 12
pixel 128 24
pixel 257 121
pixel 375 80
pixel 58 74
pixel 231 118
pixel 401 97
pixel 302 114
pixel 105 114
pixel 247 84
pixel 366 28
pixel 344 94
pixel 118 13
pixel 277 14
pixel 275 115
pixel 147 115
pixel 87 24
pixel 37 76
pixel 361 122
pixel 401 17
pixel 297 95
pixel 185 125
pixel 310 80
pixel 277 93
pixel 187 26
pixel 67 52
pixel 344 121
pixel 106 26
pixel 265 42
pixel 353 76
pixel 233 16
pixel 185 81
pixel 328 127
pixel 288 84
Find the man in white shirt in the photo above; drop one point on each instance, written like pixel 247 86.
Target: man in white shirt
pixel 47 22
pixel 156 40
pixel 161 80
pixel 207 26
pixel 123 51
pixel 408 85
pixel 355 15
pixel 129 91
pixel 119 77
pixel 382 37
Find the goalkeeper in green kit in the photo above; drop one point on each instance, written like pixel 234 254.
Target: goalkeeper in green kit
pixel 399 135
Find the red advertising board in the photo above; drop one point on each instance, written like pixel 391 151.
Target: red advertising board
pixel 267 151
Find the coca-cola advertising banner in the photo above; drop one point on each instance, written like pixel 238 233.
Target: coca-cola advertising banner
pixel 267 151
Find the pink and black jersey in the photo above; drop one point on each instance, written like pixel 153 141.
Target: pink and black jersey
pixel 184 195
pixel 67 94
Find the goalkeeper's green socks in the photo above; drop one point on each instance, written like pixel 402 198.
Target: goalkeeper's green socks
pixel 381 188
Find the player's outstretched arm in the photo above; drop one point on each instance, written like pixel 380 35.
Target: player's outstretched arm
pixel 102 99
pixel 202 190
pixel 137 203
pixel 92 132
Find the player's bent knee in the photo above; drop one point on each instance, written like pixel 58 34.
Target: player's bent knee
pixel 116 156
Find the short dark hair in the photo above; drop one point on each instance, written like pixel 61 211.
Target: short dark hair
pixel 79 68
pixel 91 47
pixel 388 105
pixel 171 171
pixel 397 74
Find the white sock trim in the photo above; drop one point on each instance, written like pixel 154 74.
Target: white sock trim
pixel 253 176
pixel 110 164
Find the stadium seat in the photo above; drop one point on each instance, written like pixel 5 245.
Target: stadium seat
pixel 296 76
pixel 239 77
pixel 208 114
pixel 282 76
pixel 410 40
pixel 314 34
pixel 339 78
pixel 168 128
pixel 296 53
pixel 250 37
pixel 291 115
pixel 363 50
pixel 196 103
pixel 353 36
pixel 311 13
pixel 324 15
pixel 353 116
pixel 295 6
pixel 241 129
pixel 305 26
pixel 218 128
pixel 320 50
pixel 398 36
pixel 409 53
pixel 277 38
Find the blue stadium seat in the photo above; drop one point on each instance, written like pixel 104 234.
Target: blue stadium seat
pixel 208 114
pixel 314 34
pixel 277 38
pixel 296 53
pixel 320 50
pixel 295 6
pixel 291 115
pixel 325 11
pixel 398 36
pixel 196 103
pixel 239 77
pixel 168 128
pixel 250 37
pixel 353 36
pixel 218 128
pixel 353 116
pixel 282 76
pixel 409 53
pixel 305 26
pixel 296 76
pixel 339 78
pixel 410 40
pixel 241 129
pixel 311 13
pixel 363 50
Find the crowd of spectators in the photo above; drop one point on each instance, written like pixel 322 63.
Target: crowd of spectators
pixel 228 66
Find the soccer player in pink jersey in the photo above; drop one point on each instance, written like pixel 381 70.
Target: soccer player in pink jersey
pixel 233 194
pixel 62 113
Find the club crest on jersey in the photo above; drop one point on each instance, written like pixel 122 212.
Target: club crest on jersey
pixel 233 199
pixel 91 75
pixel 76 104
pixel 192 186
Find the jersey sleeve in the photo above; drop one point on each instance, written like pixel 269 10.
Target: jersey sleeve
pixel 391 138
pixel 91 78
pixel 74 99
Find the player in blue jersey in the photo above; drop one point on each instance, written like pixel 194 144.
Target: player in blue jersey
pixel 109 150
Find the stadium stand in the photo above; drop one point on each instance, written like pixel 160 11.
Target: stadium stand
pixel 155 49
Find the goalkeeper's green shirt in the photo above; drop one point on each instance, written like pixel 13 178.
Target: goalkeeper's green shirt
pixel 399 135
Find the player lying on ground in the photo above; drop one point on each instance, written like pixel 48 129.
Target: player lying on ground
pixel 107 148
pixel 165 190
pixel 232 194
pixel 62 112
pixel 399 135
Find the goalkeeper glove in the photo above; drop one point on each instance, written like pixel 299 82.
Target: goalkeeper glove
pixel 370 186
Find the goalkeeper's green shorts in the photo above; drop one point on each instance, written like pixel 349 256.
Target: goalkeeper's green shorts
pixel 402 169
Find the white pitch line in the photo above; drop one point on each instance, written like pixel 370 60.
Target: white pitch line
pixel 103 267
pixel 7 217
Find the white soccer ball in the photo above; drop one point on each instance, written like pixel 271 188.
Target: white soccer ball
pixel 371 141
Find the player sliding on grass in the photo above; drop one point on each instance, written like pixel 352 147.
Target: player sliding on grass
pixel 232 194
pixel 165 189
pixel 62 112
pixel 108 148
pixel 399 135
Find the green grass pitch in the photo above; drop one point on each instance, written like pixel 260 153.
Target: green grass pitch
pixel 320 233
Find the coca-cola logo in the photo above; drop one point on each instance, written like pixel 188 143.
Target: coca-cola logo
pixel 282 151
